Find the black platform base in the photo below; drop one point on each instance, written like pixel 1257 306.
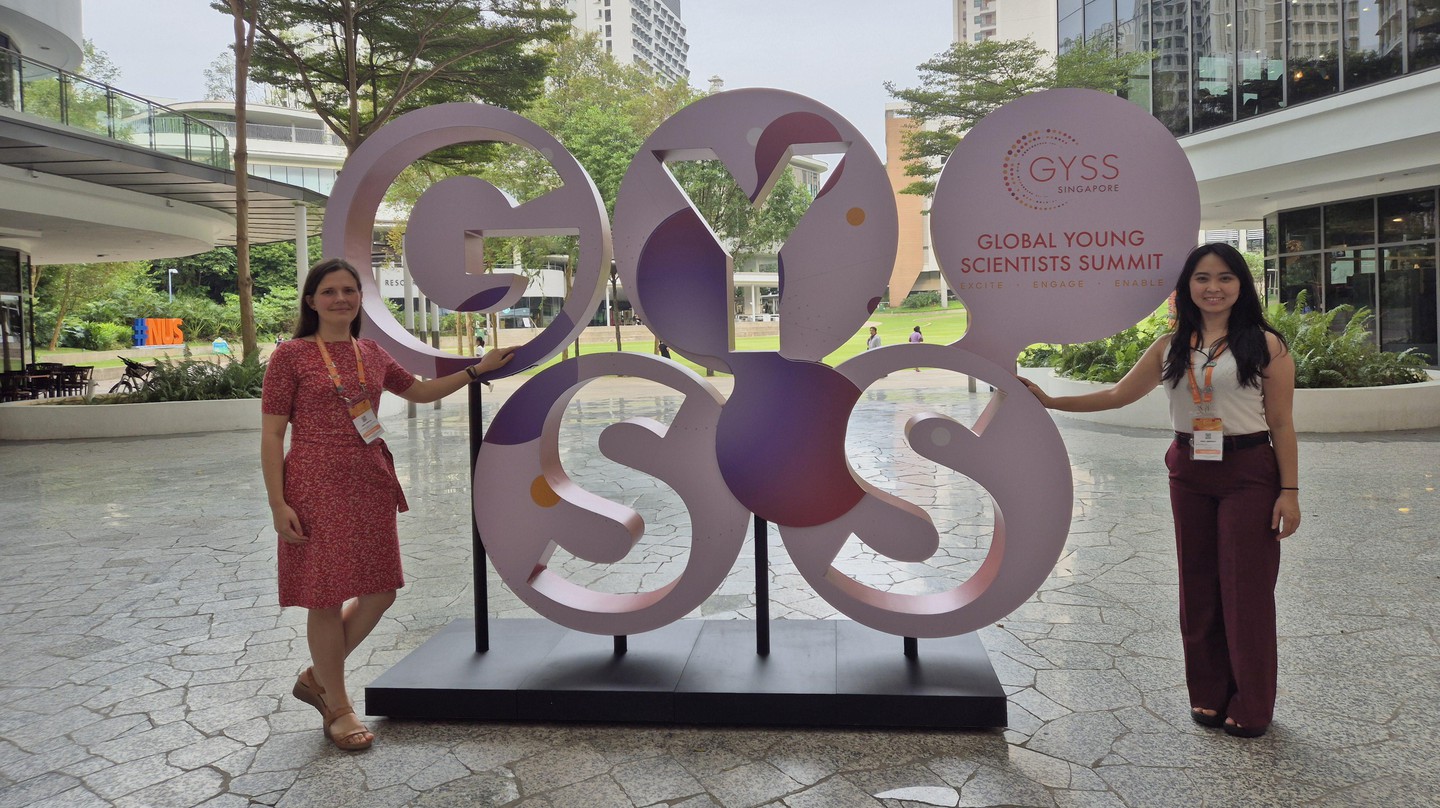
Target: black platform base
pixel 819 673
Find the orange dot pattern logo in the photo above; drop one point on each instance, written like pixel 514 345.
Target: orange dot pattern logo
pixel 1018 182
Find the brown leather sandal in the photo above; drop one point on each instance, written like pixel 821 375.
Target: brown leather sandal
pixel 344 742
pixel 308 690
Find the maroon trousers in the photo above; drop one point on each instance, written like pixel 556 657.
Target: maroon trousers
pixel 1229 560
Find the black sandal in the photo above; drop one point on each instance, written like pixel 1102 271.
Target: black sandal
pixel 1239 731
pixel 1211 721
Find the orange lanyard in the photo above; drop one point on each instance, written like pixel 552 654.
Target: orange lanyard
pixel 1209 390
pixel 335 374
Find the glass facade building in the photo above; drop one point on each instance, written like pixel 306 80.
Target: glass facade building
pixel 1218 62
pixel 1377 252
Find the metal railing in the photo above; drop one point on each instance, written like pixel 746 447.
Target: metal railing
pixel 62 97
pixel 284 134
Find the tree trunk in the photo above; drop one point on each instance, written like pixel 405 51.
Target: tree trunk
pixel 66 295
pixel 244 12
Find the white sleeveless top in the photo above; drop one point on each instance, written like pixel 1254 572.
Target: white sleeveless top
pixel 1241 409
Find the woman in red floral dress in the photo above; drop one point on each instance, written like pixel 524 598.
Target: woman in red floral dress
pixel 334 496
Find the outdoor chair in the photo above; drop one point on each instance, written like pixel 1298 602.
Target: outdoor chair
pixel 74 379
pixel 39 382
pixel 15 387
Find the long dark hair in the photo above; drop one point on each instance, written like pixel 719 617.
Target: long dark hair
pixel 1245 333
pixel 309 321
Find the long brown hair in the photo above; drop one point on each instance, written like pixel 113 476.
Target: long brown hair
pixel 309 321
pixel 1246 328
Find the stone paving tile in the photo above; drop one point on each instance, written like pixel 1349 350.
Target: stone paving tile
pixel 148 665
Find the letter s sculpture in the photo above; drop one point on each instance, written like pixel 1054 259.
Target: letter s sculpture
pixel 776 447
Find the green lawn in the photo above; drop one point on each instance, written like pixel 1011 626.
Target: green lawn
pixel 938 325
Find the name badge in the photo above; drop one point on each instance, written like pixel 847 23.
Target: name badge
pixel 1207 439
pixel 366 423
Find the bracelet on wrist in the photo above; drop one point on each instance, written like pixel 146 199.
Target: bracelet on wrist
pixel 470 371
pixel 1288 488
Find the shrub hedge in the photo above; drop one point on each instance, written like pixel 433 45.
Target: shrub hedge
pixel 1325 355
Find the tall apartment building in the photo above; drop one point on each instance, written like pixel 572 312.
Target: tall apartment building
pixel 978 20
pixel 646 32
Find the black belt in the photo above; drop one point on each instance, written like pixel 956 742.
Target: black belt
pixel 1232 441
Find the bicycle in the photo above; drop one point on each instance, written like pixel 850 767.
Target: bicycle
pixel 135 377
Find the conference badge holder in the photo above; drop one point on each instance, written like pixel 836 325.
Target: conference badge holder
pixel 1207 439
pixel 366 423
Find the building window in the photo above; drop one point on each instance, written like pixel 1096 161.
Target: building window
pixel 1300 275
pixel 1350 280
pixel 1424 29
pixel 1100 21
pixel 1213 25
pixel 1171 71
pixel 1133 36
pixel 1300 230
pixel 1407 217
pixel 1314 68
pixel 1072 28
pixel 1407 308
pixel 1378 253
pixel 1349 223
pixel 1373 42
pixel 1260 28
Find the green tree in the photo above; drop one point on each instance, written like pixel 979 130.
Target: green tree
pixel 1256 262
pixel 745 230
pixel 97 64
pixel 360 63
pixel 602 111
pixel 64 290
pixel 972 79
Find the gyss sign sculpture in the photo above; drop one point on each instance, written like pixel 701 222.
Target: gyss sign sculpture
pixel 1037 248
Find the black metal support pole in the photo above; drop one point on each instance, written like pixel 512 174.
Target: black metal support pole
pixel 622 644
pixel 477 546
pixel 762 588
pixel 912 648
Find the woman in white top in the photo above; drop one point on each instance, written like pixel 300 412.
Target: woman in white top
pixel 1234 486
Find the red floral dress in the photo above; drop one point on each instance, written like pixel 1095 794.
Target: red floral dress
pixel 344 490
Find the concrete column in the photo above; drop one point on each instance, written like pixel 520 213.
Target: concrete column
pixel 408 289
pixel 435 334
pixel 302 247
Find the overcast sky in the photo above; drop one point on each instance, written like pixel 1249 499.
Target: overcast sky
pixel 839 52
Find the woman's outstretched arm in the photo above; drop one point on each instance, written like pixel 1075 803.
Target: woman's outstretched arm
pixel 1140 380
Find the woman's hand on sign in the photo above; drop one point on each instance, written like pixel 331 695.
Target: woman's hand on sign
pixel 494 360
pixel 1045 399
